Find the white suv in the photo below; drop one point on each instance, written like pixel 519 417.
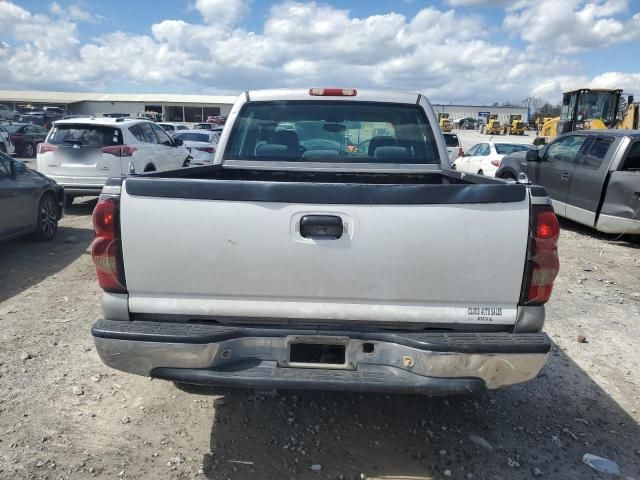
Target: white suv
pixel 81 153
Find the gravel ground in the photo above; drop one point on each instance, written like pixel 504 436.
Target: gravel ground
pixel 65 415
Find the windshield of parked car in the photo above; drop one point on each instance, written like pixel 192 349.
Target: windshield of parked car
pixel 85 135
pixel 507 148
pixel 332 131
pixel 192 136
pixel 451 140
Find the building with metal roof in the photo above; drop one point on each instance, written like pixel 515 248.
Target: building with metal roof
pixel 172 107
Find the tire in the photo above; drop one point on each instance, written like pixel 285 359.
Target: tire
pixel 508 176
pixel 149 168
pixel 47 225
pixel 481 172
pixel 29 150
pixel 68 200
pixel 187 162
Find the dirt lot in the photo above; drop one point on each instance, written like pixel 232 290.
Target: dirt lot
pixel 64 415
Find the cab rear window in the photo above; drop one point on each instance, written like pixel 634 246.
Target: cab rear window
pixel 332 131
pixel 632 162
pixel 85 135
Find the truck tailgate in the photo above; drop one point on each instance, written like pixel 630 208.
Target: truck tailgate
pixel 454 256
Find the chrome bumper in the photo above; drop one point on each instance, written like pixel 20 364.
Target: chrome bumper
pixel 433 363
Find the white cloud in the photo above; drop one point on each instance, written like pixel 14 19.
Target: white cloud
pixel 74 12
pixel 37 31
pixel 225 12
pixel 629 82
pixel 446 54
pixel 572 26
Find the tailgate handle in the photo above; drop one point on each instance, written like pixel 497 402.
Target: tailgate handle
pixel 328 227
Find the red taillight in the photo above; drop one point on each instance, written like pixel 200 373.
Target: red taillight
pixel 206 149
pixel 46 147
pixel 106 250
pixel 333 92
pixel 542 259
pixel 495 163
pixel 119 150
pixel 15 138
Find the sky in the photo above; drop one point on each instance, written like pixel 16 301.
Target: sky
pixel 453 51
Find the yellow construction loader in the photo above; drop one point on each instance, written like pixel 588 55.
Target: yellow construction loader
pixel 631 118
pixel 445 123
pixel 493 125
pixel 515 126
pixel 590 109
pixel 540 121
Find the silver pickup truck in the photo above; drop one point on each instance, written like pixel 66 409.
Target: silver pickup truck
pixel 329 247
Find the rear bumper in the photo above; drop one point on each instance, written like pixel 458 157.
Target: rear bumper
pixel 258 357
pixel 80 190
pixel 79 185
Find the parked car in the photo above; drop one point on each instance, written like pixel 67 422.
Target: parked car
pixel 30 203
pixel 453 146
pixel 172 128
pixel 201 144
pixel 217 119
pixel 80 154
pixel 6 145
pixel 42 118
pixel 592 176
pixel 204 126
pixel 284 266
pixel 208 126
pixel 8 113
pixel 484 158
pixel 26 137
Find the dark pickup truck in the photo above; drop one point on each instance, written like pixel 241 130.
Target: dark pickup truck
pixel 592 176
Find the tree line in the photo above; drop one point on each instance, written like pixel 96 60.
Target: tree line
pixel 537 107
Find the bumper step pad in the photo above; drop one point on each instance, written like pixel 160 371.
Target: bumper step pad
pixel 199 333
pixel 267 374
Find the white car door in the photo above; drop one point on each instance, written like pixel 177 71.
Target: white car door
pixel 147 155
pixel 172 156
pixel 462 163
pixel 481 159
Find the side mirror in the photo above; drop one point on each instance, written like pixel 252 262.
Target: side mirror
pixel 17 167
pixel 177 142
pixel 532 156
